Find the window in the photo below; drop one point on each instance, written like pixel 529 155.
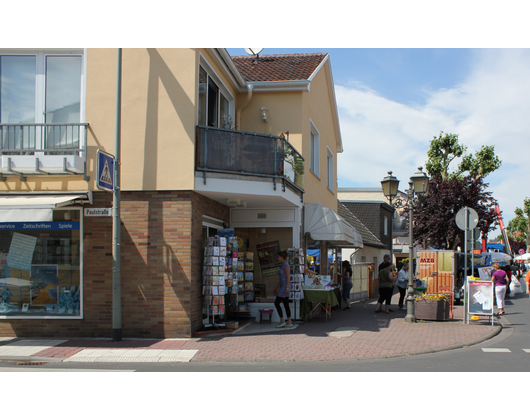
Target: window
pixel 331 171
pixel 314 137
pixel 385 226
pixel 41 88
pixel 40 267
pixel 214 105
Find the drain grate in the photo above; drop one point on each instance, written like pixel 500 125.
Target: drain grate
pixel 30 363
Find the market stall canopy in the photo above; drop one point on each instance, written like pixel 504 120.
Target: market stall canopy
pixel 323 224
pixel 37 207
pixel 523 257
pixel 497 256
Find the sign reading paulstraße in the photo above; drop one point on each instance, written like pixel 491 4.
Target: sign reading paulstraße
pixel 106 212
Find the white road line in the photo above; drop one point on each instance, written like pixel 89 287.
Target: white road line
pixel 493 350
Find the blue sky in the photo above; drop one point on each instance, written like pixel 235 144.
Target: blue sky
pixel 397 100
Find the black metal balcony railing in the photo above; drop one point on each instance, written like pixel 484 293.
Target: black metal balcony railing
pixel 244 153
pixel 45 138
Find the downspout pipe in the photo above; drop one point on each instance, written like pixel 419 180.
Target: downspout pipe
pixel 250 88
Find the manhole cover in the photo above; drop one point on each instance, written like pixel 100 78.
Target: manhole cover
pixel 343 332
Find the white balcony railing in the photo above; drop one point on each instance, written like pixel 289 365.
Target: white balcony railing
pixel 42 149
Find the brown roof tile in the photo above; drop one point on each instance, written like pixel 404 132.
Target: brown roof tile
pixel 278 67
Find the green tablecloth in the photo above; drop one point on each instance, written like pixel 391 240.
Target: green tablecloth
pixel 326 297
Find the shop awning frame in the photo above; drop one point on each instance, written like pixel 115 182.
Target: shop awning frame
pixel 323 224
pixel 34 207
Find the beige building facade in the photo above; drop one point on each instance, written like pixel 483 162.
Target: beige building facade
pixel 208 142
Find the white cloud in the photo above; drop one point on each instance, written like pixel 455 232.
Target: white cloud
pixel 491 107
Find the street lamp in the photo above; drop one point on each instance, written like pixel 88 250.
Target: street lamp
pixel 421 182
pixel 419 186
pixel 390 189
pixel 390 186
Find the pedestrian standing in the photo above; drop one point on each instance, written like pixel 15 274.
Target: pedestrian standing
pixel 282 291
pixel 508 270
pixel 402 282
pixel 386 287
pixel 527 280
pixel 347 283
pixel 500 282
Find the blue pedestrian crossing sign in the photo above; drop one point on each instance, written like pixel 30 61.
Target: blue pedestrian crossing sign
pixel 105 171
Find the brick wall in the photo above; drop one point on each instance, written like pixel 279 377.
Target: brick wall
pixel 161 253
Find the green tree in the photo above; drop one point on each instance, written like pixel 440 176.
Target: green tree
pixel 445 148
pixel 484 162
pixel 453 189
pixel 519 228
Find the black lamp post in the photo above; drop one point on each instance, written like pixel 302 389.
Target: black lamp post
pixel 418 185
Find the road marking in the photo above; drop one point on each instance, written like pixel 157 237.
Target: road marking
pixel 29 369
pixel 526 350
pixel 493 350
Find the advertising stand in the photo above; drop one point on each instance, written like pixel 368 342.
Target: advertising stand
pixel 479 295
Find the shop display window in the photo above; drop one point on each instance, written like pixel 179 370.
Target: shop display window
pixel 40 267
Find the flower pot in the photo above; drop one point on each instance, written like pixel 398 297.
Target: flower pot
pixel 432 310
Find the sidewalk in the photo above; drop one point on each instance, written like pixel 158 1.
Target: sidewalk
pixel 349 335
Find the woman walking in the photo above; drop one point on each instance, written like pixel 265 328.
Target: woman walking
pixel 500 282
pixel 282 291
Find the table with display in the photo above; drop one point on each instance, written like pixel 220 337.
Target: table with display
pixel 325 299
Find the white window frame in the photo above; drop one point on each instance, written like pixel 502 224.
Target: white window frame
pixel 314 149
pixel 40 76
pixel 330 170
pixel 223 90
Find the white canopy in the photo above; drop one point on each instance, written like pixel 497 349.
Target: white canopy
pixel 323 224
pixel 523 257
pixel 36 207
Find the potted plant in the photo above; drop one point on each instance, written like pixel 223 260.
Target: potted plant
pixel 432 307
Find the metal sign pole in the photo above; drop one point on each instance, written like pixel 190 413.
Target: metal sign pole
pixel 116 220
pixel 466 227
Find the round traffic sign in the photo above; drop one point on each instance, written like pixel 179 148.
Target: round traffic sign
pixel 461 218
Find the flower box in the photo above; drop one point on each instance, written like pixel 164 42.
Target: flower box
pixel 432 310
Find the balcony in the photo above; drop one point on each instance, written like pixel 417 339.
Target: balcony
pixel 247 154
pixel 42 149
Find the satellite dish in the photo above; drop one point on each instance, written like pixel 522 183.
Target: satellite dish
pixel 253 51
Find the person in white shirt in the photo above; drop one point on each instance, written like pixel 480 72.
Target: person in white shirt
pixel 402 283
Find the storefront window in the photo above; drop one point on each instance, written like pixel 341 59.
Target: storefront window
pixel 40 265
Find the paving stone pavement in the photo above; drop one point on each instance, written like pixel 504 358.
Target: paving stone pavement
pixel 348 335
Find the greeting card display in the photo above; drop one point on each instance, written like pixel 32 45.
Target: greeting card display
pixel 296 262
pixel 218 276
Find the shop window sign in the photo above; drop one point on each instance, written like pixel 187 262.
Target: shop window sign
pixel 40 226
pixel 40 269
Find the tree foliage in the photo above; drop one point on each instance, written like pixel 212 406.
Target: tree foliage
pixel 442 152
pixel 518 228
pixel 435 220
pixel 445 148
pixel 452 188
